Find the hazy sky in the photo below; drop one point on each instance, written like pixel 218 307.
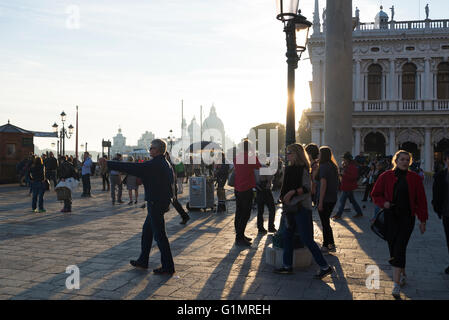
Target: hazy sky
pixel 130 63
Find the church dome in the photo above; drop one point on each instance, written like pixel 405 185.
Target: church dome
pixel 212 121
pixel 381 19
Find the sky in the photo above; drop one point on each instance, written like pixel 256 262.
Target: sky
pixel 129 64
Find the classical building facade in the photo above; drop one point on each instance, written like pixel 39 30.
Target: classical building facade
pixel 119 143
pixel 400 86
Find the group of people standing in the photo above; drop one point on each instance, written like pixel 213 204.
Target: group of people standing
pixel 41 171
pixel 312 177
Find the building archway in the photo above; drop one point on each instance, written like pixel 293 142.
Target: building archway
pixel 374 143
pixel 412 148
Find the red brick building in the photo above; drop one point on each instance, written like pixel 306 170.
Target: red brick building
pixel 15 144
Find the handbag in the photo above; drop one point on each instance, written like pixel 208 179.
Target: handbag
pixel 289 210
pixel 378 226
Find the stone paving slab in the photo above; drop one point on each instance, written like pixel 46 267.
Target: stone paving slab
pixel 100 239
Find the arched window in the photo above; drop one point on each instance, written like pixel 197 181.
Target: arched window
pixel 409 81
pixel 374 82
pixel 443 81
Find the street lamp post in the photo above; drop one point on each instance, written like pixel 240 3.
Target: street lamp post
pixel 63 134
pixel 296 28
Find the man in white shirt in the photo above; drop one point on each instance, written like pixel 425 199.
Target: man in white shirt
pixel 85 172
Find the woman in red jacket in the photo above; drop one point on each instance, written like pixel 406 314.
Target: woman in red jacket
pixel 401 193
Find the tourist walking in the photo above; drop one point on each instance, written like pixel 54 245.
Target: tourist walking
pixel 349 179
pixel 157 178
pixel 221 176
pixel 104 172
pixel 86 170
pixel 67 171
pixel 245 163
pixel 37 177
pixel 369 183
pixel 401 193
pixel 328 176
pixel 184 215
pixel 264 196
pixel 116 181
pixel 440 197
pixel 180 176
pixel 297 183
pixel 131 184
pixel 51 168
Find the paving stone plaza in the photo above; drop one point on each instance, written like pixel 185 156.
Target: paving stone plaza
pixel 100 239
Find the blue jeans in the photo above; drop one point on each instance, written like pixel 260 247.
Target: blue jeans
pixel 154 226
pixel 86 184
pixel 304 226
pixel 38 190
pixel 376 211
pixel 345 195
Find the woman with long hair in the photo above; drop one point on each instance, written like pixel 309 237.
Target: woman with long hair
pixel 37 176
pixel 297 183
pixel 329 180
pixel 400 192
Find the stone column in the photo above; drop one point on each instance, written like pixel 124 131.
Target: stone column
pixel 427 150
pixel 316 137
pixel 392 87
pixel 316 86
pixel 428 85
pixel 357 142
pixel 392 148
pixel 338 97
pixel 358 86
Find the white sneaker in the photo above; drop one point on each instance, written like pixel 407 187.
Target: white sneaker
pixel 403 280
pixel 396 291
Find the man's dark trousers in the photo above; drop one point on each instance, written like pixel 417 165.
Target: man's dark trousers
pixel 86 184
pixel 265 197
pixel 244 200
pixel 154 226
pixel 51 175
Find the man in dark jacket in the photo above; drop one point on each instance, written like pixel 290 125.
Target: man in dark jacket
pixel 348 185
pixel 157 178
pixel 51 166
pixel 440 200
